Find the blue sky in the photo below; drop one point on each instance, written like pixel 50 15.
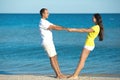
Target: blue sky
pixel 60 6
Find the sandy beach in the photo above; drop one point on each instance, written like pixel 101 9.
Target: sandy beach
pixel 52 77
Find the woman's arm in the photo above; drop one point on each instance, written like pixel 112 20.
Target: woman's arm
pixel 79 30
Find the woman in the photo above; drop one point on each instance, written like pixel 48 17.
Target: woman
pixel 93 32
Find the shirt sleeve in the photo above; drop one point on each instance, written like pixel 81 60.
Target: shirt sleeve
pixel 94 28
pixel 45 24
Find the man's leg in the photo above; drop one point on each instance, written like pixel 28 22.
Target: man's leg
pixel 50 49
pixel 55 66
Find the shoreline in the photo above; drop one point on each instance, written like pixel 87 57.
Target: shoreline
pixel 52 77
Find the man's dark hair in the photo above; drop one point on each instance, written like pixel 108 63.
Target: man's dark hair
pixel 42 11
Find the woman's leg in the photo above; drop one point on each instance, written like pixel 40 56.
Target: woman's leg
pixel 81 63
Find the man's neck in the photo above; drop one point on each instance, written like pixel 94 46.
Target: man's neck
pixel 43 18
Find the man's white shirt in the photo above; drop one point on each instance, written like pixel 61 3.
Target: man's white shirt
pixel 45 33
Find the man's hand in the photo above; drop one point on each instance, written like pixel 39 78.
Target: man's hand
pixel 71 29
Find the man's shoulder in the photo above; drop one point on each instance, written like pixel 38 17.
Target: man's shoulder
pixel 44 21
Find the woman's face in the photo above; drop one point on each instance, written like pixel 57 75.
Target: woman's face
pixel 94 19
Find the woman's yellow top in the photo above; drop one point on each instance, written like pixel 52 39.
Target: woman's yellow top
pixel 92 35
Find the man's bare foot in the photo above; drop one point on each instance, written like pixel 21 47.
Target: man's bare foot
pixel 73 77
pixel 61 76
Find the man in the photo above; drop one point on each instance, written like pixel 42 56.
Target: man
pixel 47 40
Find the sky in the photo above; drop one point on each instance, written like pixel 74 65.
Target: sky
pixel 60 6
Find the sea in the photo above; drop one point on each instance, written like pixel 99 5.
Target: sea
pixel 21 51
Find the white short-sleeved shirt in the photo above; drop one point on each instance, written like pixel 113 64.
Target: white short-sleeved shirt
pixel 45 33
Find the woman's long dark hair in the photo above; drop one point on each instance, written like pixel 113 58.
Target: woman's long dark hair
pixel 99 22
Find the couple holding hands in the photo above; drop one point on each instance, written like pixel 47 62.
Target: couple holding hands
pixel 48 44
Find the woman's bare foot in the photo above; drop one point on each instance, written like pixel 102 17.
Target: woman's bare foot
pixel 64 76
pixel 73 77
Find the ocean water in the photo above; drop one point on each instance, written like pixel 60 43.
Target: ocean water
pixel 21 51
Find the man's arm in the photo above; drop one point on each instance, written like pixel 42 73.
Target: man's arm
pixel 55 27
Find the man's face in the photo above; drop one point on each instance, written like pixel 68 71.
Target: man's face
pixel 46 14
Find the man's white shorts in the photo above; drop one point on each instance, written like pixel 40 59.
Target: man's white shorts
pixel 50 49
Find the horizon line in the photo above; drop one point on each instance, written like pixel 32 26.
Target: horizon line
pixel 60 13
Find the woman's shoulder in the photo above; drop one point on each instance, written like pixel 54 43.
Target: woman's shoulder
pixel 95 27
